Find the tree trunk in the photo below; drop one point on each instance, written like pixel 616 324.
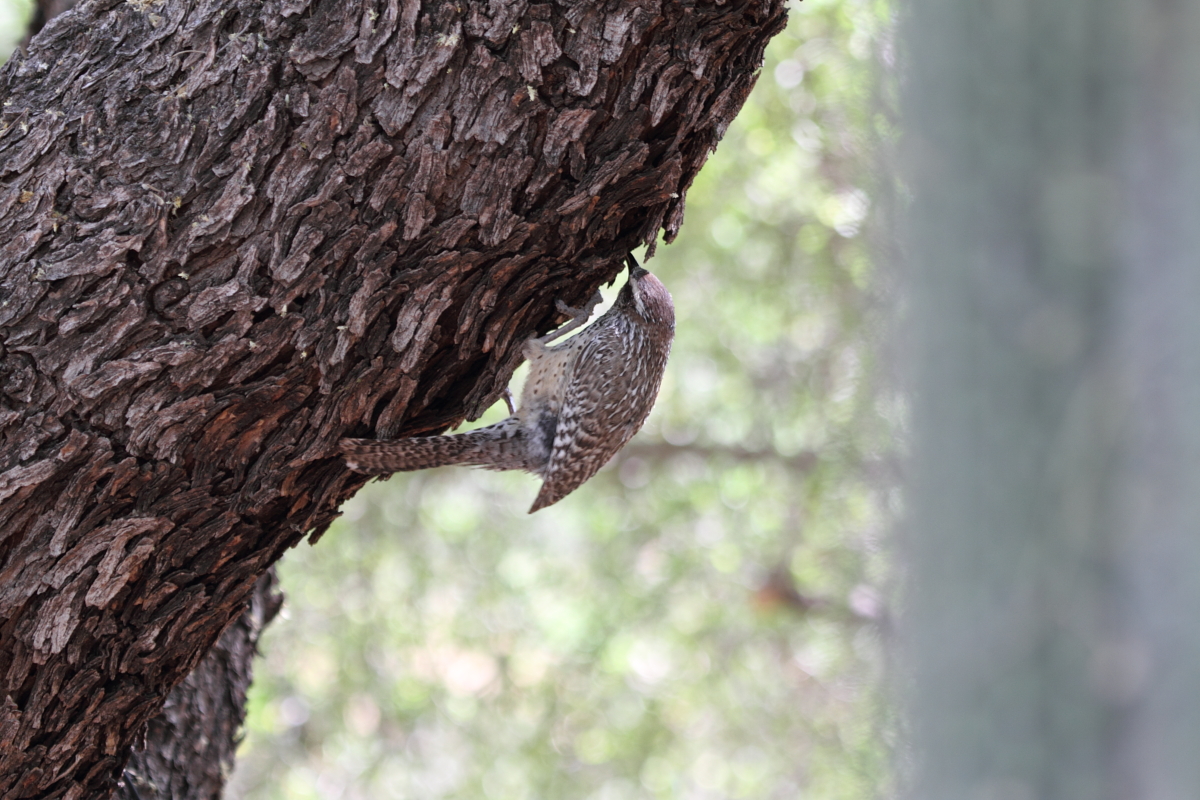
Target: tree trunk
pixel 1053 552
pixel 189 747
pixel 237 232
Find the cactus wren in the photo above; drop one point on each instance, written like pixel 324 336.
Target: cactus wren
pixel 583 400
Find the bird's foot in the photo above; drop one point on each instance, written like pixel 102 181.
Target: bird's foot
pixel 578 317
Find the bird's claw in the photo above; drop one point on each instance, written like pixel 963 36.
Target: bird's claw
pixel 584 312
pixel 578 316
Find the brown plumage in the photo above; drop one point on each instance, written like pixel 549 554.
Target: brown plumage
pixel 583 399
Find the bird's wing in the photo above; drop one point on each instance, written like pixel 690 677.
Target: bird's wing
pixel 598 416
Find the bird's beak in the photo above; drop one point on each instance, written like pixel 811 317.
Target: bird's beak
pixel 636 273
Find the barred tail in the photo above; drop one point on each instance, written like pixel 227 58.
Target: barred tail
pixel 497 446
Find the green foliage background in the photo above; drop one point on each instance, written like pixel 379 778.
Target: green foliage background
pixel 704 619
pixel 14 16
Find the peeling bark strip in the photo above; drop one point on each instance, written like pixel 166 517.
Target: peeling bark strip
pixel 232 233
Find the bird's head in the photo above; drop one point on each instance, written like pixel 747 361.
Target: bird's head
pixel 646 295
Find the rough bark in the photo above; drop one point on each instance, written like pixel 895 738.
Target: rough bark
pixel 189 747
pixel 235 232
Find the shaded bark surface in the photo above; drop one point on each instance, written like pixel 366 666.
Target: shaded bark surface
pixel 190 746
pixel 235 232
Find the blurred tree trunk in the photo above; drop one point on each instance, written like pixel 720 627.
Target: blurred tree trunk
pixel 234 232
pixel 43 12
pixel 1053 542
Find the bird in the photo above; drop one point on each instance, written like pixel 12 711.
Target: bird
pixel 583 399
